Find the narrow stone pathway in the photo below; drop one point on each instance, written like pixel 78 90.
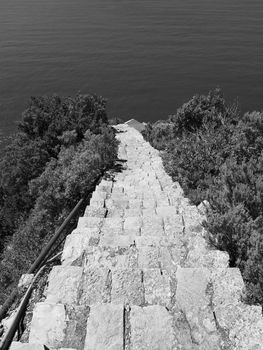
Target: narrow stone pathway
pixel 137 273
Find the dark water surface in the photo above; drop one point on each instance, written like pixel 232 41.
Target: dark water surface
pixel 147 57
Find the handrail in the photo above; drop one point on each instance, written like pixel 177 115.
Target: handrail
pixel 42 256
pixel 8 337
pixel 44 253
pixel 38 264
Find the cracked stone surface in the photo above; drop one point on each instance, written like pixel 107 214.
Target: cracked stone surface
pixel 48 325
pixel 151 328
pixel 138 273
pixel 63 284
pixel 105 328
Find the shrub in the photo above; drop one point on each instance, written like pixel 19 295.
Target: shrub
pixel 217 155
pixel 47 175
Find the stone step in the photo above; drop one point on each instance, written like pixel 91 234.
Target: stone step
pixel 58 326
pixel 63 285
pixel 151 328
pixel 243 322
pixel 48 325
pixel 28 346
pixel 126 285
pixel 105 328
pixel 77 244
pixel 135 256
pixel 96 211
pixel 137 272
pixel 212 300
pixel 89 222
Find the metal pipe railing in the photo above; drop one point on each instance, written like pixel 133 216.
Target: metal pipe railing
pixel 41 258
pixel 38 264
pixel 8 337
pixel 46 250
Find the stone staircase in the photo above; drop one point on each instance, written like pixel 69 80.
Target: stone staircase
pixel 137 272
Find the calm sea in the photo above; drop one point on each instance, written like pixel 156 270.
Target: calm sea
pixel 147 57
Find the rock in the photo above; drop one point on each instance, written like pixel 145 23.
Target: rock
pixel 63 284
pixel 152 226
pixel 76 245
pixel 90 222
pixel 151 328
pixel 191 288
pixel 203 207
pixel 25 346
pixel 148 257
pixel 96 211
pixel 105 328
pixel 127 287
pixel 25 280
pixel 95 286
pixel 48 325
pixel 157 287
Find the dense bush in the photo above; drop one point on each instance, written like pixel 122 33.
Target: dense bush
pixel 159 133
pixel 217 154
pixel 62 147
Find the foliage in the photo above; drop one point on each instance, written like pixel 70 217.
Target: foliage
pixel 62 147
pixel 47 124
pixel 217 154
pixel 159 133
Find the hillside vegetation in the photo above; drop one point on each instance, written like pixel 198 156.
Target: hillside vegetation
pixel 217 154
pixel 61 147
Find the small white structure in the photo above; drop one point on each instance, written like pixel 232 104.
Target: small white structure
pixel 136 125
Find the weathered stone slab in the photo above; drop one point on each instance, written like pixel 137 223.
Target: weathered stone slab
pixel 117 203
pixel 151 328
pixel 87 231
pixel 173 225
pixel 193 298
pixel 243 323
pixel 150 241
pixel 25 346
pixel 48 325
pixel 112 226
pixel 99 195
pixel 152 226
pixel 116 241
pixel 167 211
pixel 212 259
pixel 105 328
pixel 115 212
pixel 135 203
pixel 91 222
pixel 63 284
pixel 132 212
pixel 149 203
pixel 148 257
pixel 127 287
pixel 117 189
pixel 228 286
pixel 76 245
pixel 112 257
pixel 170 258
pixel 95 211
pixel 95 286
pixel 163 201
pixel 132 225
pixel 191 288
pixel 157 287
pixel 97 202
pixel 75 333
